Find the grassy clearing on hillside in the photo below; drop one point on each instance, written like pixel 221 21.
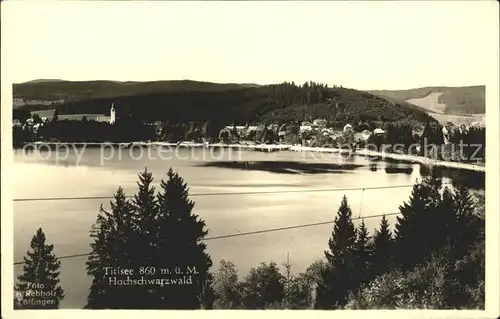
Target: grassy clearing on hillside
pixel 430 102
pixel 433 103
pixel 458 100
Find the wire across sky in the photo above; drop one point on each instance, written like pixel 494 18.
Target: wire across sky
pixel 240 193
pixel 227 193
pixel 247 233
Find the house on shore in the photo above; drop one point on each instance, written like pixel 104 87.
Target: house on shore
pixel 305 128
pixel 347 127
pixel 378 131
pixel 361 138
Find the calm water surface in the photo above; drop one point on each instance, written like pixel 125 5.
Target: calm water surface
pixel 67 223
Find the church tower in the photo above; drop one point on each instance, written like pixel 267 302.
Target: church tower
pixel 112 114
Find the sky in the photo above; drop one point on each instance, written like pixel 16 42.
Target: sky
pixel 362 45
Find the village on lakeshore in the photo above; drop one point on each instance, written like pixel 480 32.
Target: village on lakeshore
pixel 316 134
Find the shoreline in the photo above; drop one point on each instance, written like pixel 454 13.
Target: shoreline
pixel 288 147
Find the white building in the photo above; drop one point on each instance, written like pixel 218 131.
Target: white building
pixel 239 128
pixel 378 131
pixel 305 128
pixel 111 119
pixel 445 135
pixel 348 127
pixel 112 114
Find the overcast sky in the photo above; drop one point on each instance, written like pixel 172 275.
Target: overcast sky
pixel 363 45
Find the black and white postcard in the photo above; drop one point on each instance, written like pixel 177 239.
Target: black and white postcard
pixel 219 155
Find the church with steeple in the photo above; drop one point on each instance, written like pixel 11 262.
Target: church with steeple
pixel 112 114
pixel 111 118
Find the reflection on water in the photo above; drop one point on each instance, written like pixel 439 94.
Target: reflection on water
pixel 398 169
pixel 287 167
pixel 67 223
pixel 470 179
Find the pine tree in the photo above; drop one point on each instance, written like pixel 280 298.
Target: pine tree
pixel 180 245
pixel 469 226
pixel 343 236
pixel 39 282
pixel 100 296
pixel 363 252
pixel 288 280
pixel 413 241
pixel 439 220
pixel 435 182
pixel 441 231
pixel 145 213
pixel 338 278
pixel 112 237
pixel 152 231
pixel 383 248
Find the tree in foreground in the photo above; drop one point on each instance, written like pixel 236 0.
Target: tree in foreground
pixel 263 288
pixel 39 283
pixel 298 292
pixel 207 292
pixel 421 287
pixel 298 289
pixel 153 231
pixel 363 250
pixel 413 240
pixel 383 248
pixel 439 283
pixel 226 286
pixel 179 241
pixel 112 236
pixel 431 221
pixel 339 277
pixel 441 231
pixel 449 272
pixel 469 224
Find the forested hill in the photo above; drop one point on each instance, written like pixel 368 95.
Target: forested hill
pixel 448 100
pixel 50 90
pixel 283 102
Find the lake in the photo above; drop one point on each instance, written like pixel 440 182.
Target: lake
pixel 277 178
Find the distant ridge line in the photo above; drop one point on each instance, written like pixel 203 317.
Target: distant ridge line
pixel 36 81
